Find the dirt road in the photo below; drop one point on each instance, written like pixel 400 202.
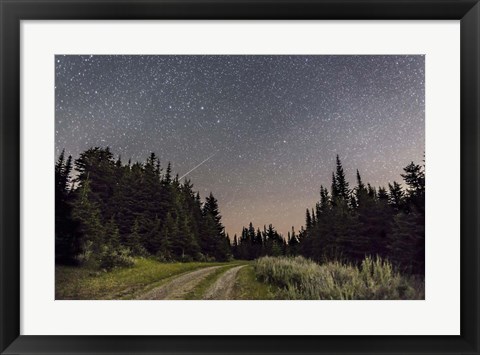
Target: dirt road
pixel 222 289
pixel 177 288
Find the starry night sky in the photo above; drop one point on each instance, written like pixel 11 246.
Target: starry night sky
pixel 260 132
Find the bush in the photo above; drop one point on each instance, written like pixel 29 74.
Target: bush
pixel 116 257
pixel 164 257
pixel 300 278
pixel 86 253
pixel 185 259
pixel 140 251
pixel 206 258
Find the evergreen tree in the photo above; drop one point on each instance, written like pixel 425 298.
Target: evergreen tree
pixel 167 179
pixel 163 237
pixel 97 165
pixel 213 239
pixel 185 246
pixel 91 230
pixel 308 220
pixel 293 243
pixel 382 194
pixel 133 241
pixel 414 177
pixel 66 236
pixel 335 191
pixel 235 247
pixel 396 196
pixel 112 235
pixel 407 242
pixel 341 182
pixel 361 192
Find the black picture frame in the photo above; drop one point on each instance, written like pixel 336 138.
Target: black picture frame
pixel 13 11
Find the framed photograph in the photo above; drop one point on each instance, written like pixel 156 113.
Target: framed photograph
pixel 239 177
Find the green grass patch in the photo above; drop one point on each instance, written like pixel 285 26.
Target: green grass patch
pixel 80 283
pixel 248 287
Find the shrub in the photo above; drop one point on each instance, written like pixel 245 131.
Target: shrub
pixel 185 259
pixel 111 257
pixel 164 257
pixel 300 278
pixel 140 251
pixel 206 258
pixel 86 253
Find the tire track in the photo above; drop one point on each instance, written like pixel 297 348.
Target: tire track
pixel 222 289
pixel 178 287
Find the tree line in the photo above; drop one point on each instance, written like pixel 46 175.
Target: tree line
pixel 106 210
pixel 348 224
pixel 254 243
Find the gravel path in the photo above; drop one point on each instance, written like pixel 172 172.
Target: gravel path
pixel 222 289
pixel 178 287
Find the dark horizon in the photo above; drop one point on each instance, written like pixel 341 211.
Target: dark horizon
pixel 260 132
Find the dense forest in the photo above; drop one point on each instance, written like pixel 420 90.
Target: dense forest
pixel 348 224
pixel 108 212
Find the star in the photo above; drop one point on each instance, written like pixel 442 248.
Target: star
pixel 276 122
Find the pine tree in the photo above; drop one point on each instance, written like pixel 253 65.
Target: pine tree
pixel 361 192
pixel 308 220
pixel 360 184
pixel 341 182
pixel 97 165
pixel 184 245
pixel 252 249
pixel 66 234
pixel 407 242
pixel 112 235
pixel 324 199
pixel 382 194
pixel 335 191
pixel 91 229
pixel 293 243
pixel 167 179
pixel 371 191
pixel 133 241
pixel 235 247
pixel 414 177
pixel 213 241
pixel 160 238
pixel 396 195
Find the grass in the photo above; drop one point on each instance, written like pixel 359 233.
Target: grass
pixel 247 287
pixel 299 278
pixel 264 279
pixel 80 283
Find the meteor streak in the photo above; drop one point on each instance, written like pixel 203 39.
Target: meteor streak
pixel 188 172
